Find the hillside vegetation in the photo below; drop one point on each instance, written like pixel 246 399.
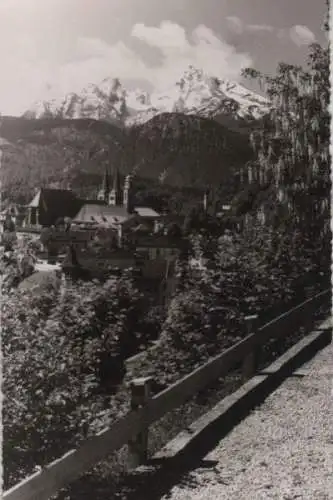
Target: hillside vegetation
pixel 172 149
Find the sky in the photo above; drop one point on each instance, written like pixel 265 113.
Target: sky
pixel 51 47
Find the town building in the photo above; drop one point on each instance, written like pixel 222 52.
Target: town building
pixel 116 209
pixel 48 205
pixel 113 206
pixel 110 232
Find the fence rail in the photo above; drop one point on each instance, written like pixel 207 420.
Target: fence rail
pixel 132 428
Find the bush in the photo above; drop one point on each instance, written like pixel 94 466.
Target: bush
pixel 53 347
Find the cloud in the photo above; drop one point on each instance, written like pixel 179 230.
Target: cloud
pixel 236 25
pixel 301 35
pixel 92 61
pixel 33 71
pixel 257 28
pixel 205 51
pixel 168 36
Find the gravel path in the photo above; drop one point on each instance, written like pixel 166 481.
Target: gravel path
pixel 283 450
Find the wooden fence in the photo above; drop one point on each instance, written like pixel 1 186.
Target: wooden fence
pixel 132 429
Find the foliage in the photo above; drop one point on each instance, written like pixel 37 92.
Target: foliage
pixel 55 345
pixel 56 153
pixel 285 237
pixel 254 272
pixel 62 152
pixel 292 148
pixel 187 150
pixel 16 264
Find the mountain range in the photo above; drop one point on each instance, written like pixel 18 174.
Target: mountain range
pixel 196 93
pixel 195 135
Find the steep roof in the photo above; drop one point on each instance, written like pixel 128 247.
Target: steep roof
pixel 116 181
pixel 102 214
pixel 36 200
pixel 106 182
pixel 53 196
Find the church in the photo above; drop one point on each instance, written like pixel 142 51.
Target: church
pixel 112 208
pixel 115 208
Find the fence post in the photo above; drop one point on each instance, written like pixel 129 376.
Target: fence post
pixel 138 446
pixel 250 362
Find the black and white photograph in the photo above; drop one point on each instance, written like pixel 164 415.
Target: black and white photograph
pixel 165 250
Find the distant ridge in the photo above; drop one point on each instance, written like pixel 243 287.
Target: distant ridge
pixel 196 93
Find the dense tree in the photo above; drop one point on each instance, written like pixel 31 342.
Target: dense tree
pixel 279 252
pixel 292 146
pixel 57 339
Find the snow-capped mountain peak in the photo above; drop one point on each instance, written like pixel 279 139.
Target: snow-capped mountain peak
pixel 195 93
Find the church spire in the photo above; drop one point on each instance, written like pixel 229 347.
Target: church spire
pixel 115 193
pixel 127 195
pixel 104 192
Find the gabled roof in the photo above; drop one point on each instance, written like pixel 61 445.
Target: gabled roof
pixel 53 196
pixel 146 212
pixel 36 200
pixel 102 214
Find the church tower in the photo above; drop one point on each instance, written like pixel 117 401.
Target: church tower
pixel 103 193
pixel 127 196
pixel 115 193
